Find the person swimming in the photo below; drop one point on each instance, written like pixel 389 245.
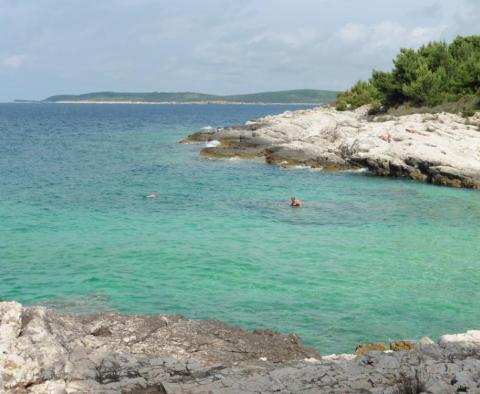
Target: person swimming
pixel 296 203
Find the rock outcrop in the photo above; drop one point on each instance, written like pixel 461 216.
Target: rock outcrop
pixel 45 352
pixel 442 149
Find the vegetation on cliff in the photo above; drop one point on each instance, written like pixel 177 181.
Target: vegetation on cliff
pixel 435 74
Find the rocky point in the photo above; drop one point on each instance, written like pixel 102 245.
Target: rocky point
pixel 442 149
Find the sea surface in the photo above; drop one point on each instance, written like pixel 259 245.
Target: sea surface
pixel 367 259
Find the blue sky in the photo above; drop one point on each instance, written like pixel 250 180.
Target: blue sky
pixel 215 46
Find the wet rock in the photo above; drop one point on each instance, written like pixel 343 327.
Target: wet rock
pixel 286 156
pixel 200 136
pixel 235 148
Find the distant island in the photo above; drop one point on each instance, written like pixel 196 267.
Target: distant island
pixel 302 96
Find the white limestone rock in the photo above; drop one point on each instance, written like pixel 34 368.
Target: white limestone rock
pixel 439 148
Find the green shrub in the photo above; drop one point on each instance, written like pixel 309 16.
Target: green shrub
pixel 361 93
pixel 341 104
pixel 435 74
pixel 467 112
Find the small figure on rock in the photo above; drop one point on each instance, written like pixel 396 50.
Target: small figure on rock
pixel 296 203
pixel 386 138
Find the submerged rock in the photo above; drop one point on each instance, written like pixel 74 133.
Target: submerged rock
pixel 442 149
pixel 45 352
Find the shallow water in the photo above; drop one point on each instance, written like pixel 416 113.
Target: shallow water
pixel 367 259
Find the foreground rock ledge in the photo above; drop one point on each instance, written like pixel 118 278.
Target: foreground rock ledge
pixel 442 149
pixel 45 352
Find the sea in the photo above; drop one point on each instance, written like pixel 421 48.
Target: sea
pixel 367 259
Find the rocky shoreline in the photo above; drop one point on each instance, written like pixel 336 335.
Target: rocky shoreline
pixel 46 352
pixel 442 149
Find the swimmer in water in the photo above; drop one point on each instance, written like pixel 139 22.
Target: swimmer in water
pixel 152 195
pixel 296 203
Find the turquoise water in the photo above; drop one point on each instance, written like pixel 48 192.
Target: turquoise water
pixel 367 259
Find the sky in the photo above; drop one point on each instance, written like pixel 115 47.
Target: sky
pixel 52 47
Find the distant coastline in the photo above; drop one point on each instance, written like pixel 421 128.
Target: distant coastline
pixel 165 102
pixel 299 96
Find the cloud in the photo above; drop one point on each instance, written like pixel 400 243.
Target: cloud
pixel 13 61
pixel 387 35
pixel 353 33
pixel 466 17
pixel 427 11
pixel 218 46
